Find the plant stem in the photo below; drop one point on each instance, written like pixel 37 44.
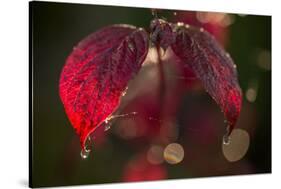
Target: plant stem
pixel 162 87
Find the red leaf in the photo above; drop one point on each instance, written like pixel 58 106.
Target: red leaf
pixel 213 66
pixel 97 72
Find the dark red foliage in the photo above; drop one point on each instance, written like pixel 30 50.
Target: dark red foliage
pixel 212 65
pixel 99 68
pixel 97 72
pixel 161 33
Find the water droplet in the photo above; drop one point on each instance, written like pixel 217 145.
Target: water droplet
pixel 201 29
pixel 226 139
pixel 125 92
pixel 175 13
pixel 107 126
pixel 187 26
pixel 84 154
pixel 108 123
pixel 86 151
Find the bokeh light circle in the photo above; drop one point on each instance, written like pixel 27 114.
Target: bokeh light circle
pixel 238 145
pixel 173 153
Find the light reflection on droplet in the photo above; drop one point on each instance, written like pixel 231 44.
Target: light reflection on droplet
pixel 238 147
pixel 84 154
pixel 87 149
pixel 124 92
pixel 107 127
pixel 154 155
pixel 226 139
pixel 173 153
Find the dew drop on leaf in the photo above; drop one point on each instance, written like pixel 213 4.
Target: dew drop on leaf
pixel 110 120
pixel 85 152
pixel 125 91
pixel 107 125
pixel 226 139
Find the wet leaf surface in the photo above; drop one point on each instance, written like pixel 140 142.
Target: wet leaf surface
pixel 212 66
pixel 97 72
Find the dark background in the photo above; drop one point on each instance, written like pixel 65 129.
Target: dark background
pixel 57 27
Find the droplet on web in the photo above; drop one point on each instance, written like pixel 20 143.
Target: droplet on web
pixel 107 127
pixel 238 147
pixel 174 153
pixel 107 123
pixel 125 91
